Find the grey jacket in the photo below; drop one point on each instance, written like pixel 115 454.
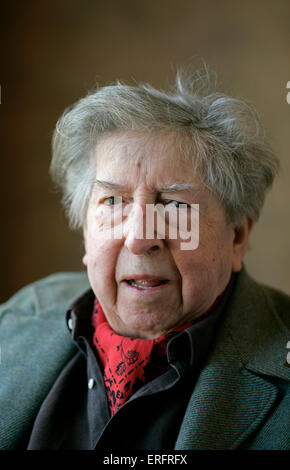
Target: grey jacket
pixel 240 400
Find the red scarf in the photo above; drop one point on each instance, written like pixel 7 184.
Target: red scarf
pixel 127 363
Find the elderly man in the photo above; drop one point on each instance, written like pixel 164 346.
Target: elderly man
pixel 168 343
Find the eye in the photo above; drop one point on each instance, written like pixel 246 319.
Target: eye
pixel 112 200
pixel 175 203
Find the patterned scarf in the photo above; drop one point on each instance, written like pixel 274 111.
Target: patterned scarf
pixel 127 363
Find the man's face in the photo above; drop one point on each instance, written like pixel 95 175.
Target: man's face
pixel 151 286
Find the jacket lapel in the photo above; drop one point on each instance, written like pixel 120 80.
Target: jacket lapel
pixel 227 405
pixel 232 395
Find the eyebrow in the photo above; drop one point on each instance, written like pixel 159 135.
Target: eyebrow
pixel 172 188
pixel 108 184
pixel 175 187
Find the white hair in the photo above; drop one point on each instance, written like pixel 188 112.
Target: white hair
pixel 231 153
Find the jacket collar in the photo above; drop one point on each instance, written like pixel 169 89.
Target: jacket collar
pixel 232 394
pixel 256 330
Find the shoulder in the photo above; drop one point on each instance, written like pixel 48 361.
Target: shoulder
pixel 258 322
pixel 35 345
pixel 56 290
pixel 35 316
pixel 279 303
pixel 261 301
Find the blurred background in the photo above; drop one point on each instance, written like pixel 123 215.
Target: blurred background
pixel 54 51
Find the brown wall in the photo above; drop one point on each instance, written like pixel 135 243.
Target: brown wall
pixel 53 51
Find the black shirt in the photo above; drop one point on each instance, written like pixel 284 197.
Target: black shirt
pixel 75 413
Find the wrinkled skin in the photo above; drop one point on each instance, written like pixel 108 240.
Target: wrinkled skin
pixel 143 166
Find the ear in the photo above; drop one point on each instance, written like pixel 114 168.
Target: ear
pixel 85 257
pixel 241 242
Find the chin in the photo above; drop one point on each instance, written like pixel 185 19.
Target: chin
pixel 146 326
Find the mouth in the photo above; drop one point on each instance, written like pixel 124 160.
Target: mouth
pixel 146 284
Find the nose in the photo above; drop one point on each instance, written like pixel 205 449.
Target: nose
pixel 137 227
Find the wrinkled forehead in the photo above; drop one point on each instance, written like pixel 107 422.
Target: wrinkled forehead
pixel 159 157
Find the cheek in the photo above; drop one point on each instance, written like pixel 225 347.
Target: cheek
pixel 102 219
pixel 193 268
pixel 99 242
pixel 204 271
pixel 101 259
